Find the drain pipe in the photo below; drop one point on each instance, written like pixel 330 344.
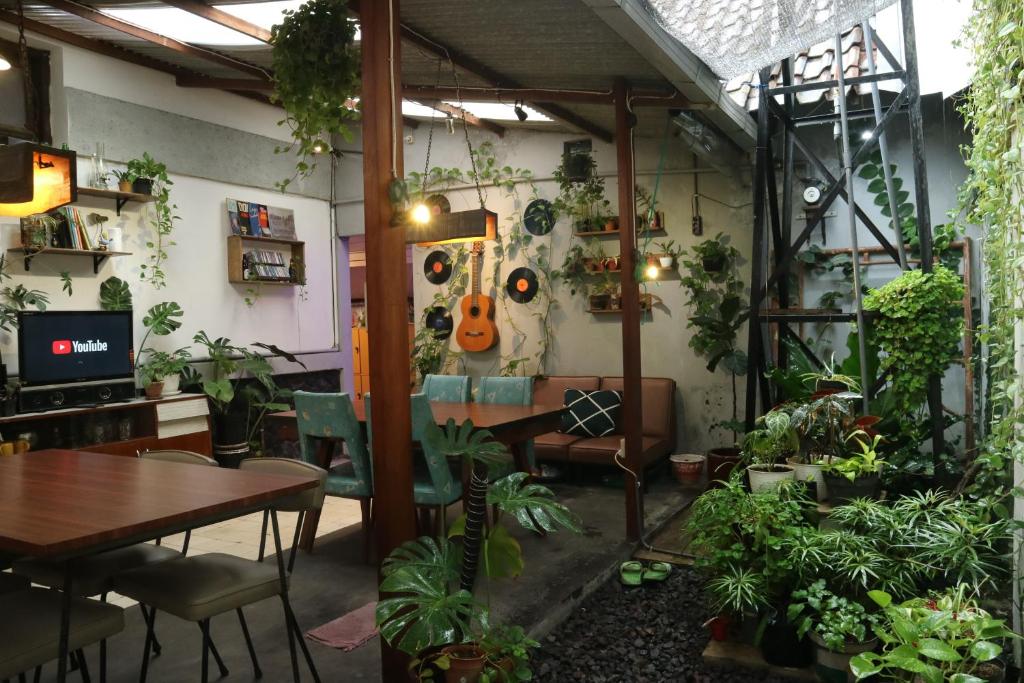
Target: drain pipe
pixel 883 148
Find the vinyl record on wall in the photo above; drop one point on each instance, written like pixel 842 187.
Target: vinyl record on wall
pixel 539 217
pixel 521 285
pixel 438 204
pixel 439 319
pixel 438 267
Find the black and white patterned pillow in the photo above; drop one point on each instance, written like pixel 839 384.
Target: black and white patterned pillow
pixel 591 413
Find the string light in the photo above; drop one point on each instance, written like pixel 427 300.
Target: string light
pixel 652 272
pixel 420 214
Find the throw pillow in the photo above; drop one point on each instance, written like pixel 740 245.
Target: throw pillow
pixel 591 413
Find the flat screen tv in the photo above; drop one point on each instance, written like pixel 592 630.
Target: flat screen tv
pixel 65 347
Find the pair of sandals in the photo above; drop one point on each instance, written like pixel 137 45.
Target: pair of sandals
pixel 634 572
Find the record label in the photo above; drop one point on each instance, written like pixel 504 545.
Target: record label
pixel 521 285
pixel 437 267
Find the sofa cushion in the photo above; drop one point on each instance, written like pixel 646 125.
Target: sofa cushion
pixel 658 395
pixel 550 391
pixel 602 450
pixel 591 413
pixel 553 446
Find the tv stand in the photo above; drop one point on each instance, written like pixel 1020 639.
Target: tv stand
pixel 124 427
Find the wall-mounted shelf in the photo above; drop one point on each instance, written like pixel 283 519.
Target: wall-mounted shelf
pixel 237 245
pixel 98 257
pixel 120 198
pixel 615 233
pixel 614 311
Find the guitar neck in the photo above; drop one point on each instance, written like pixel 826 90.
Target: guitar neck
pixel 477 267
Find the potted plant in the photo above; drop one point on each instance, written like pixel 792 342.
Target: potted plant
pixel 124 180
pixel 584 199
pixel 648 218
pixel 150 177
pixel 146 173
pixel 36 230
pixel 671 253
pixel 822 425
pixel 766 448
pixel 241 390
pixel 839 628
pixel 715 254
pixel 858 475
pixel 163 369
pixel 945 637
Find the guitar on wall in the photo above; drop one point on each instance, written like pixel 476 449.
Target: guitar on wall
pixel 477 331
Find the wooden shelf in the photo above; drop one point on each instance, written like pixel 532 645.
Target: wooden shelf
pixel 609 233
pixel 98 257
pixel 267 240
pixel 288 283
pixel 614 311
pixel 237 247
pixel 120 198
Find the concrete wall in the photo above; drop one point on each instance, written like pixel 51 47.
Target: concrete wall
pixel 216 146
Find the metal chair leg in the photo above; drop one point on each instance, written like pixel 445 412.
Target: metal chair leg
pixel 284 594
pixel 103 661
pixel 257 672
pixel 150 618
pixel 157 649
pixel 295 541
pixel 263 535
pixel 38 674
pixel 302 643
pixel 83 666
pixel 213 651
pixel 204 627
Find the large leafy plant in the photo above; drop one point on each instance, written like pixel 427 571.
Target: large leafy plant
pixel 918 327
pixel 316 77
pixel 772 440
pixel 582 199
pixel 835 619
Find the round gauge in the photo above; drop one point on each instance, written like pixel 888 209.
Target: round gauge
pixel 812 194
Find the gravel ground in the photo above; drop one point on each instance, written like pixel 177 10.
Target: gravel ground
pixel 650 634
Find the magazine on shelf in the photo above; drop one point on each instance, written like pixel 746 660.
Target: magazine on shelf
pixel 232 206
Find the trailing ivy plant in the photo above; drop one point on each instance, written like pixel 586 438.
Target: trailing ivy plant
pixel 316 77
pixel 162 221
pixel 918 328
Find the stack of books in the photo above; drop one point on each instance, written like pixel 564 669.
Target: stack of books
pixel 263 264
pixel 259 220
pixel 70 232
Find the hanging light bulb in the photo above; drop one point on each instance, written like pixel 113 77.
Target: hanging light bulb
pixel 4 65
pixel 520 112
pixel 420 213
pixel 652 272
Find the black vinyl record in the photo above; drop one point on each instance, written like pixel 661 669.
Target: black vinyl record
pixel 439 319
pixel 539 217
pixel 522 285
pixel 438 267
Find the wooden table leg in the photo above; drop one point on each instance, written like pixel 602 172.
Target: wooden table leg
pixel 324 455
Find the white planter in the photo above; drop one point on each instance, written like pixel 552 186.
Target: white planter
pixel 665 261
pixel 171 385
pixel 805 472
pixel 838 662
pixel 763 480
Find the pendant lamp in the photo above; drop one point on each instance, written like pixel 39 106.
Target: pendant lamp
pixel 36 179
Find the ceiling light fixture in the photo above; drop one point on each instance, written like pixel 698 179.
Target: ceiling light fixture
pixel 652 272
pixel 35 179
pixel 520 112
pixel 4 65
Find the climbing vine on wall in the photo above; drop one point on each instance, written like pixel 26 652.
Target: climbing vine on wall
pixel 991 197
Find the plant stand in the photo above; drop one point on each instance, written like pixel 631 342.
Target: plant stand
pixel 730 655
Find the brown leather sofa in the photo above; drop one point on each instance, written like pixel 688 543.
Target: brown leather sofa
pixel 659 421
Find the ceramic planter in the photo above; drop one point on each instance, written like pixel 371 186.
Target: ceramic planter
pixel 996 675
pixel 781 646
pixel 124 186
pixel 171 385
pixel 154 389
pixel 466 663
pixel 142 186
pixel 841 490
pixel 768 477
pixel 811 473
pixel 665 261
pixel 713 264
pixel 687 467
pixel 721 462
pixel 834 667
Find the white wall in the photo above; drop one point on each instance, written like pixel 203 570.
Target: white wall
pixel 301 321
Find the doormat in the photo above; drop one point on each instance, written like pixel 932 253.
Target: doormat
pixel 348 631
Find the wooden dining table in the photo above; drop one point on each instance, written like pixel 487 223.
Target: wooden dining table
pixel 512 425
pixel 64 505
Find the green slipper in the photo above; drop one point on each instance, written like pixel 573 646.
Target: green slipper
pixel 657 571
pixel 631 573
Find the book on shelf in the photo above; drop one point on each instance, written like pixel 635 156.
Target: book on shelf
pixel 282 222
pixel 254 220
pixel 243 218
pixel 232 207
pixel 264 219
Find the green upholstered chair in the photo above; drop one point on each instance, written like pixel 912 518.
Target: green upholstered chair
pixel 330 418
pixel 440 485
pixel 200 587
pixel 447 388
pixel 514 391
pixel 30 629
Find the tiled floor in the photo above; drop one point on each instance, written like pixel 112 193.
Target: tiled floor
pixel 241 536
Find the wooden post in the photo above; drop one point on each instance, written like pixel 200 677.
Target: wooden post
pixel 632 409
pixel 387 308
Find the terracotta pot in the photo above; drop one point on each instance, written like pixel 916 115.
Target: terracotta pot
pixel 719 627
pixel 834 667
pixel 721 462
pixel 124 186
pixel 154 390
pixel 611 224
pixel 466 663
pixel 687 467
pixel 768 477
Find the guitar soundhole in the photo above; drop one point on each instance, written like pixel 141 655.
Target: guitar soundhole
pixel 474 311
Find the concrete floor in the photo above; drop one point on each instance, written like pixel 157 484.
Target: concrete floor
pixel 560 570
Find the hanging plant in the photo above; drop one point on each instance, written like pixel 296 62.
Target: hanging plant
pixel 918 327
pixel 316 74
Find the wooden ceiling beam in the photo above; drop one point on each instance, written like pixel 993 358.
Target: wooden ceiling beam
pixel 221 17
pixel 97 17
pixel 471 119
pixel 641 98
pixel 493 78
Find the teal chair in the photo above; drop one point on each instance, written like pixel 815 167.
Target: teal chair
pixel 326 419
pixel 441 484
pixel 447 388
pixel 514 391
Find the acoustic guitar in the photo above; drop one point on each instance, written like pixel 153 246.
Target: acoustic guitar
pixel 477 331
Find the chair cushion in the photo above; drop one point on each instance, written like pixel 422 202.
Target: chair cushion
pixel 602 450
pixel 11 583
pixel 550 391
pixel 343 483
pixel 94 574
pixel 200 586
pixel 554 445
pixel 30 628
pixel 591 413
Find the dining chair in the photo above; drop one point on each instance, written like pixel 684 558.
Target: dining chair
pixel 324 419
pixel 94 575
pixel 199 587
pixel 441 484
pixel 514 391
pixel 30 630
pixel 447 388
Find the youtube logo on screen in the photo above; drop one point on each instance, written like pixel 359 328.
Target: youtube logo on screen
pixel 61 347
